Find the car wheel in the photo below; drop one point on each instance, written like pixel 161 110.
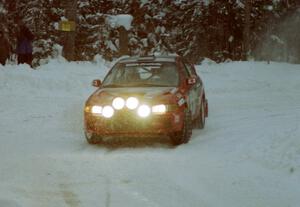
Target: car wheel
pixel 185 134
pixel 91 138
pixel 200 120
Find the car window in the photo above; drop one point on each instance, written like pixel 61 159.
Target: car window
pixel 143 74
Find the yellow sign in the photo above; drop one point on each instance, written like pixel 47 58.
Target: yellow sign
pixel 67 26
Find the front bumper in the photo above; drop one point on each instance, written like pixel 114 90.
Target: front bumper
pixel 126 122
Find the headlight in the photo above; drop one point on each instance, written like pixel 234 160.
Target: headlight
pixel 108 111
pixel 96 109
pixel 132 103
pixel 144 111
pixel 118 103
pixel 159 109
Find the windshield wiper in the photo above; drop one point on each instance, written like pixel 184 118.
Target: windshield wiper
pixel 113 86
pixel 147 85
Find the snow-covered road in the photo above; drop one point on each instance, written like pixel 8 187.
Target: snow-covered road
pixel 248 154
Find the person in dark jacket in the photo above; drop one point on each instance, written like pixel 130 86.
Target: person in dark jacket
pixel 24 45
pixel 4 48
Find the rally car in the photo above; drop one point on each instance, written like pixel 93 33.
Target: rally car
pixel 146 96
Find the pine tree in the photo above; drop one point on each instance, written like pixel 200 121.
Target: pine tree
pixel 194 29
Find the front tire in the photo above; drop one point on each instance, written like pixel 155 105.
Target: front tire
pixel 91 138
pixel 185 134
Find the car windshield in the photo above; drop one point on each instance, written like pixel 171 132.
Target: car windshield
pixel 148 74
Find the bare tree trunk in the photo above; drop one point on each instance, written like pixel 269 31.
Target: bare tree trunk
pixel 69 43
pixel 123 41
pixel 247 29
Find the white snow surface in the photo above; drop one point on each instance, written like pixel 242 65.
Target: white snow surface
pixel 248 154
pixel 120 20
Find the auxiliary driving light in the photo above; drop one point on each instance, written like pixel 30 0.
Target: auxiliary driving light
pixel 96 109
pixel 132 103
pixel 144 111
pixel 118 103
pixel 159 109
pixel 108 111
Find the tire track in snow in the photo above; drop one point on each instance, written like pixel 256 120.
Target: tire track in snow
pixel 108 193
pixel 70 198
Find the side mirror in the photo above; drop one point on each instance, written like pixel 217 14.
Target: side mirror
pixel 96 83
pixel 191 80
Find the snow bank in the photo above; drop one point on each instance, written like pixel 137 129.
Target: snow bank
pixel 58 76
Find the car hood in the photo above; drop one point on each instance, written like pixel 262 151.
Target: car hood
pixel 107 94
pixel 139 91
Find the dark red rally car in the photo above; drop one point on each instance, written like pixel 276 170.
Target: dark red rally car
pixel 147 96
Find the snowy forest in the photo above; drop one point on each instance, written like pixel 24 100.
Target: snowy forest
pixel 195 29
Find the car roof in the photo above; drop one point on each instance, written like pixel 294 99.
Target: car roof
pixel 154 58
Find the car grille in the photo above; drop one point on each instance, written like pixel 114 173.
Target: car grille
pixel 126 120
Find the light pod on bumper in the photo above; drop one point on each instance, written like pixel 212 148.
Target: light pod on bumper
pixel 159 109
pixel 108 111
pixel 144 111
pixel 96 110
pixel 118 103
pixel 132 103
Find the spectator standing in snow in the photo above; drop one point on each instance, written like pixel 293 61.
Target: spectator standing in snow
pixel 24 45
pixel 4 48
